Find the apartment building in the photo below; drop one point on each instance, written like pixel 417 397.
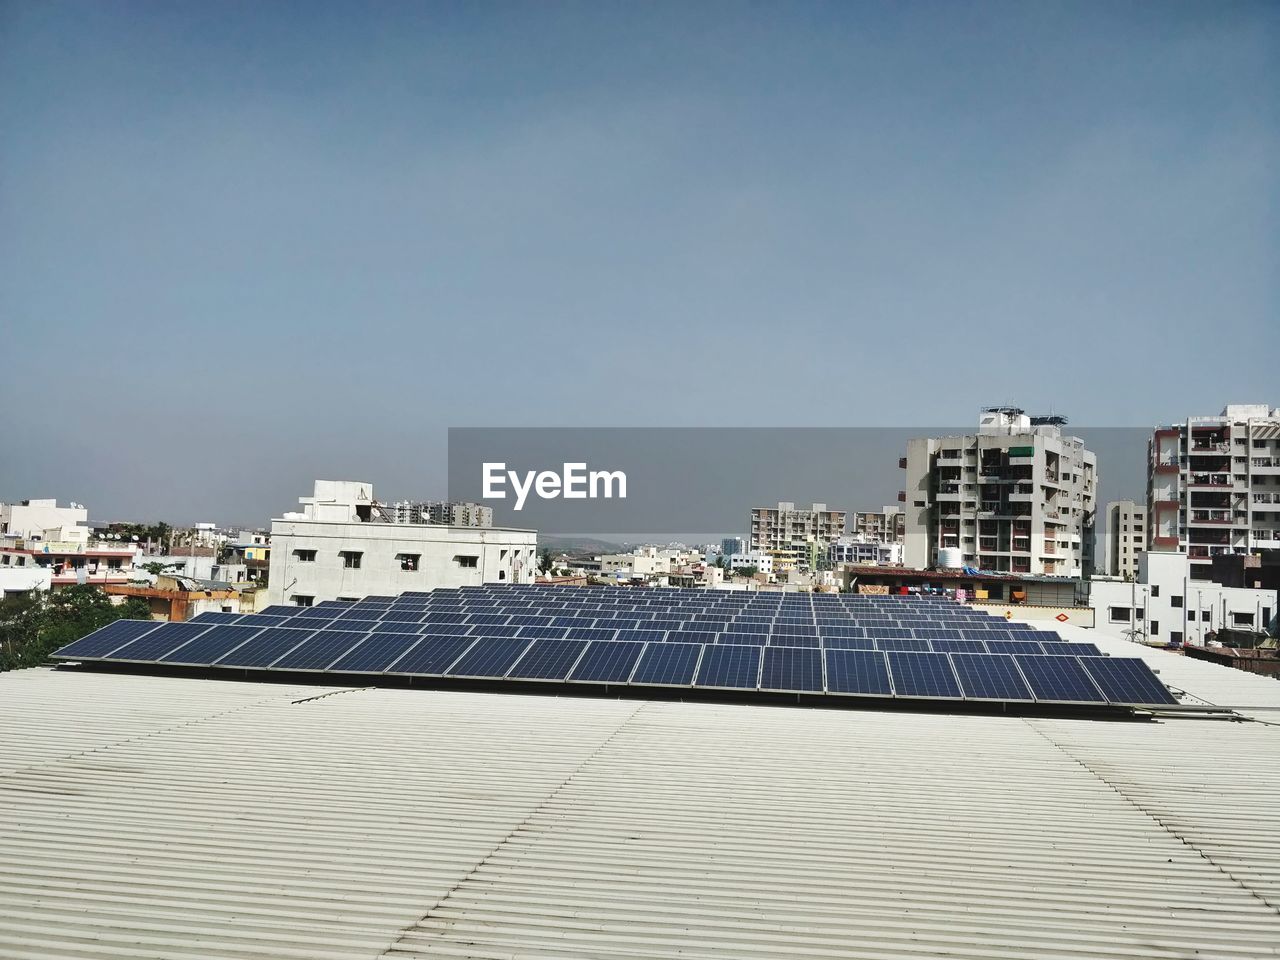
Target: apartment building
pixel 453 513
pixel 795 539
pixel 889 525
pixel 1017 496
pixel 1213 485
pixel 1126 538
pixel 859 551
pixel 344 546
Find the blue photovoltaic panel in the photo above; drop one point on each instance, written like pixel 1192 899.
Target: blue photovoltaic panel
pixel 663 623
pixel 404 616
pixel 608 662
pixel 1072 649
pixel 573 621
pixel 691 636
pixel 554 633
pixel 848 643
pixel 377 653
pixel 748 626
pixel 215 616
pixel 793 640
pixel 262 620
pixel 321 612
pixel 320 650
pixel 487 618
pixel 958 646
pixel 532 620
pixel 501 630
pixel 858 672
pixel 490 657
pixel 591 633
pixel 792 669
pixel 987 676
pixel 667 664
pixel 281 610
pixel 378 626
pixel 157 643
pixel 208 647
pixel 548 660
pixel 725 666
pixel 1127 680
pixel 1059 678
pixel 829 631
pixel 1014 647
pixel 641 635
pixel 902 644
pixel 433 656
pixel 923 675
pixel 105 639
pixel 443 617
pixel 266 647
pixel 750 639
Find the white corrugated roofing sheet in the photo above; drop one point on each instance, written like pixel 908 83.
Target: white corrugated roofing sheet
pixel 149 817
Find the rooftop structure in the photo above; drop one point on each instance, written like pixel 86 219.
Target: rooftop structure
pixel 150 816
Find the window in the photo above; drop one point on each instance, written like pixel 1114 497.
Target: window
pixel 1206 616
pixel 1140 613
pixel 502 574
pixel 1241 619
pixel 304 556
pixel 1119 614
pixel 1175 637
pixel 409 561
pixel 350 558
pixel 1175 602
pixel 1155 628
pixel 1155 590
pixel 302 600
pixel 466 560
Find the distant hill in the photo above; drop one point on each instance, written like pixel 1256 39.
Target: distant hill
pixel 577 546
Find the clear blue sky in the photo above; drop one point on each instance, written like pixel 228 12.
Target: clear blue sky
pixel 243 245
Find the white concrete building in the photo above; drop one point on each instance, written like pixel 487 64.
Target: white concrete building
pixel 1165 604
pixel 18 577
pixel 762 561
pixel 1017 497
pixel 44 520
pixel 1213 485
pixel 856 550
pixel 795 538
pixel 887 525
pixel 336 547
pixel 1126 538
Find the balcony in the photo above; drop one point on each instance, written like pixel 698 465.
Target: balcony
pixel 1202 447
pixel 1211 516
pixel 1209 480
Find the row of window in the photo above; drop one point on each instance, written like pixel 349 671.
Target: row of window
pixel 1239 618
pixel 352 559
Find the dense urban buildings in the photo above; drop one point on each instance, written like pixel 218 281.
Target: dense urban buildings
pixel 453 513
pixel 888 525
pixel 1213 485
pixel 1017 496
pixel 344 545
pixel 795 539
pixel 1126 538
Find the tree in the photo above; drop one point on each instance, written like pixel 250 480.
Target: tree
pixel 545 561
pixel 34 625
pixel 746 571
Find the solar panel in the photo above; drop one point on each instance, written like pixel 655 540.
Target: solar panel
pixel 848 643
pixel 1014 647
pixel 923 675
pixel 908 644
pixel 749 639
pixel 1127 680
pixel 156 644
pixel 1072 649
pixel 377 653
pixel 988 676
pixel 320 611
pixel 610 661
pixel 1059 678
pixel 857 672
pixel 215 616
pixel 668 664
pixel 211 645
pixel 262 620
pixel 548 660
pixel 319 650
pixel 791 669
pixel 724 666
pixel 489 657
pixel 433 656
pixel 265 648
pixel 591 633
pixel 958 646
pixel 691 636
pixel 641 635
pixel 104 640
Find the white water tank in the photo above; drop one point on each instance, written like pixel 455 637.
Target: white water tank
pixel 950 558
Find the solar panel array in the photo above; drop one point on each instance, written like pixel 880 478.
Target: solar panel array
pixel 841 645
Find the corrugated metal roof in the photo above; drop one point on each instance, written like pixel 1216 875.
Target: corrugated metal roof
pixel 182 818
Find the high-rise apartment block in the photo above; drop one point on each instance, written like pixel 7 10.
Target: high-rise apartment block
pixel 454 514
pixel 1017 496
pixel 887 526
pixel 1126 538
pixel 796 539
pixel 1213 485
